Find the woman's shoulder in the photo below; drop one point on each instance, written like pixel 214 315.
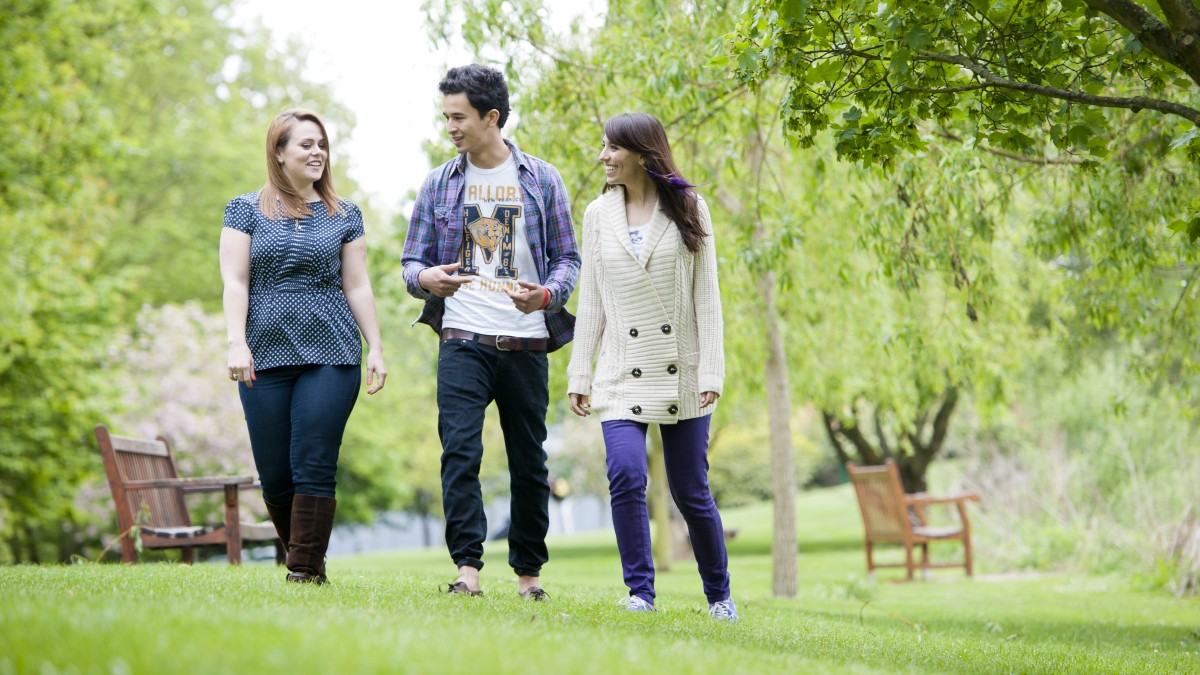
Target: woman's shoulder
pixel 244 202
pixel 246 198
pixel 593 208
pixel 244 206
pixel 242 213
pixel 348 207
pixel 606 200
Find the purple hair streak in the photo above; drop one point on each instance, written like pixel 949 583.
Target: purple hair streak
pixel 674 181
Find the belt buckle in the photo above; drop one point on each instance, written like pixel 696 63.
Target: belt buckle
pixel 502 342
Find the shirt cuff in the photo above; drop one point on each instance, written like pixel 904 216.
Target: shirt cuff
pixel 711 383
pixel 580 384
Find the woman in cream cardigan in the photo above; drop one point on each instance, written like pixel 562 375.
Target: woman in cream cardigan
pixel 649 305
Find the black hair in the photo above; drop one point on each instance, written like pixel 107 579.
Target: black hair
pixel 485 88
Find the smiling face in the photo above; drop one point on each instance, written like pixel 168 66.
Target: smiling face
pixel 305 156
pixel 470 131
pixel 621 166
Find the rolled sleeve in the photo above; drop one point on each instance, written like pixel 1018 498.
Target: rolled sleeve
pixel 562 251
pixel 420 243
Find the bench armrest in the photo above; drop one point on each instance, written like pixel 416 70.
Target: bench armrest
pixel 217 488
pixel 190 484
pixel 922 499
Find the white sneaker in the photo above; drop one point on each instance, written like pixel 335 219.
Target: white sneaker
pixel 634 603
pixel 723 610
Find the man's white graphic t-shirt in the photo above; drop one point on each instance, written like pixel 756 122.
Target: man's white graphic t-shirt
pixel 496 254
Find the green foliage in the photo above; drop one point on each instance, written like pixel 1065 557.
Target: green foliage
pixel 1095 471
pixel 1128 276
pixel 1094 106
pixel 1018 77
pixel 740 457
pixel 126 126
pixel 840 623
pixel 59 303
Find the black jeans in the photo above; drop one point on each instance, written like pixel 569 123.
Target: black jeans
pixel 471 376
pixel 296 416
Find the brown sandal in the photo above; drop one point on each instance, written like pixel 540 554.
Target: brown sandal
pixel 535 594
pixel 460 588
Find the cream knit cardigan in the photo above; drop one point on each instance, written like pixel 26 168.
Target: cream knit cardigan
pixel 656 322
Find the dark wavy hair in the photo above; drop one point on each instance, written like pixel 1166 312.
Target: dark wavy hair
pixel 485 88
pixel 644 134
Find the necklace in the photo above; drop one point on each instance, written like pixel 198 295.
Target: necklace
pixel 299 227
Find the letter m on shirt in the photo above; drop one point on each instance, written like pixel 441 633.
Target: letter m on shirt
pixel 485 235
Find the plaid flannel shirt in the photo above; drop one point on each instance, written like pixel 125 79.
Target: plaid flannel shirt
pixel 436 231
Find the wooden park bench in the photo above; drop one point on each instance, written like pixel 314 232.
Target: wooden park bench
pixel 891 516
pixel 148 494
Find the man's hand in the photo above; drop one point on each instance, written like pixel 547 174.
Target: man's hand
pixel 530 298
pixel 440 282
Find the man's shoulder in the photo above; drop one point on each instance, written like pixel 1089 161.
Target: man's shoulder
pixel 541 169
pixel 540 166
pixel 442 173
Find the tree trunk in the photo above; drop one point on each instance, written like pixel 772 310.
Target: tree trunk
pixel 779 400
pixel 783 469
pixel 912 454
pixel 424 511
pixel 912 476
pixel 31 546
pixel 660 500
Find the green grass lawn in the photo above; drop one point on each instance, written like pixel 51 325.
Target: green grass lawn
pixel 383 613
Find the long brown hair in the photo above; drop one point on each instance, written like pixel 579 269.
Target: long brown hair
pixel 279 198
pixel 644 134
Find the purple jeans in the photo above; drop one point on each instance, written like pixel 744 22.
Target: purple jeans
pixel 685 449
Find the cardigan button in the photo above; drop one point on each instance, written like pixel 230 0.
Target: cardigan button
pixel 673 409
pixel 632 332
pixel 636 410
pixel 672 369
pixel 637 372
pixel 666 329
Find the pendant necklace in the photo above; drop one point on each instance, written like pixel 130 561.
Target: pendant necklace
pixel 299 227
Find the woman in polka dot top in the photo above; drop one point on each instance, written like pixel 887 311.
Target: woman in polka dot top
pixel 297 296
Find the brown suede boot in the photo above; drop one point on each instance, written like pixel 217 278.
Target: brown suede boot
pixel 281 517
pixel 312 522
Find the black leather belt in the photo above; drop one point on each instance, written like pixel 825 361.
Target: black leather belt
pixel 505 343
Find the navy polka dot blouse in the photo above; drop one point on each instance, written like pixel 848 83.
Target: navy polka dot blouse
pixel 298 313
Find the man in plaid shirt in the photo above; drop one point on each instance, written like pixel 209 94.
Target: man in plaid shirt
pixel 491 250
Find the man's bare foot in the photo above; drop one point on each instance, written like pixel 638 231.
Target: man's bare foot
pixel 467 582
pixel 528 588
pixel 469 576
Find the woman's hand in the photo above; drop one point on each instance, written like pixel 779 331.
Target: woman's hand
pixel 708 398
pixel 376 372
pixel 241 364
pixel 580 405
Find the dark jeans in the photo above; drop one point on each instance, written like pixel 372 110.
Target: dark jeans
pixel 471 376
pixel 296 416
pixel 685 450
